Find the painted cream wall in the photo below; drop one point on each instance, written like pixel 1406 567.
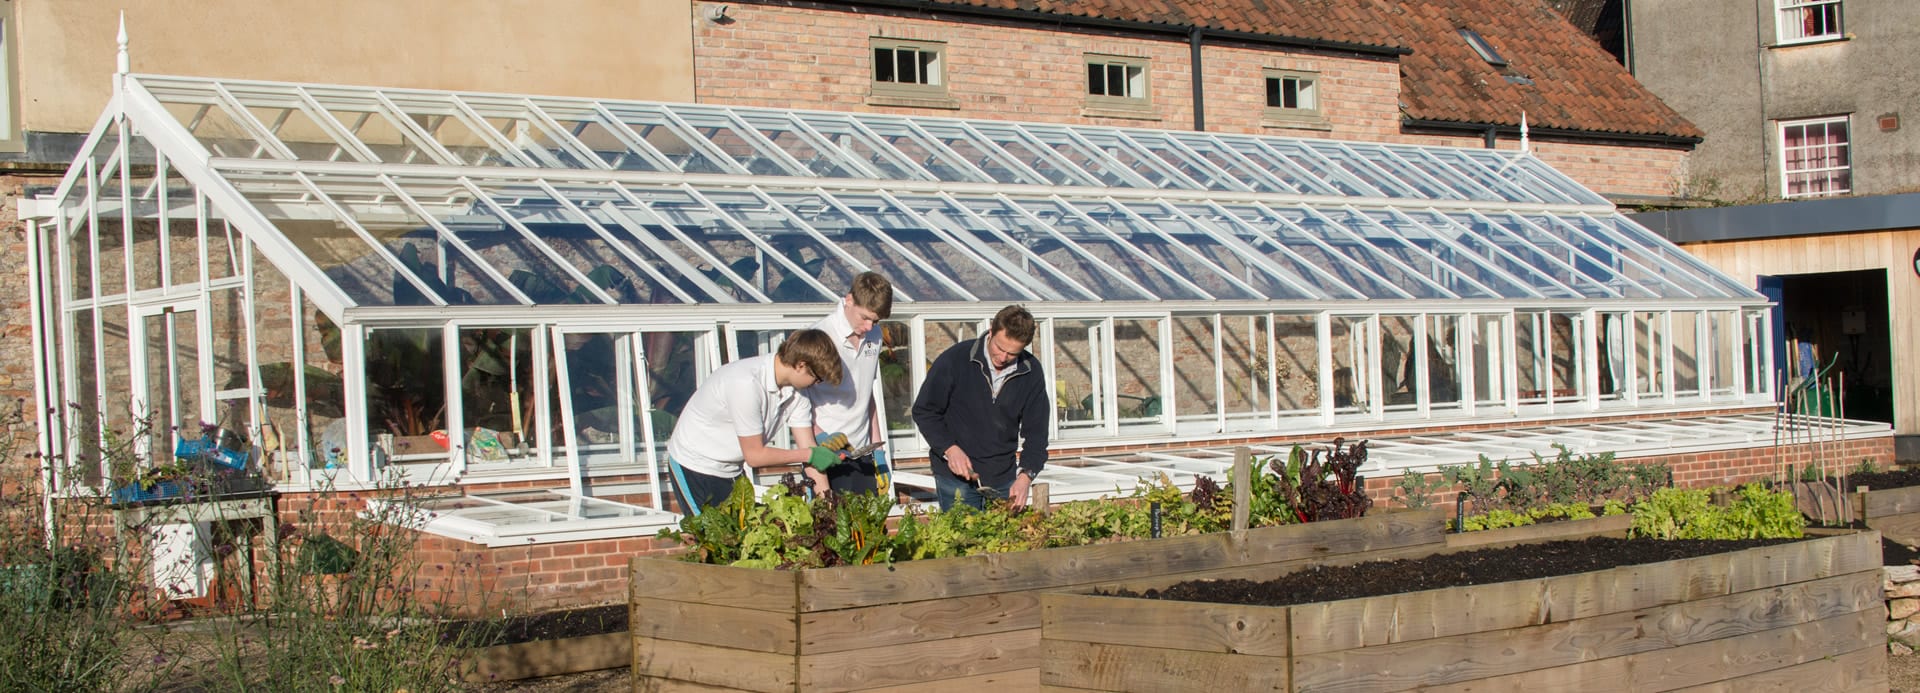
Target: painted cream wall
pixel 638 49
pixel 1889 250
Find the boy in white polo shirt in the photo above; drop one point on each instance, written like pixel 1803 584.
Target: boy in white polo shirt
pixel 730 419
pixel 847 406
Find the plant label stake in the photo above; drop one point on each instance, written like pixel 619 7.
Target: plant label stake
pixel 1459 513
pixel 1153 512
pixel 1242 488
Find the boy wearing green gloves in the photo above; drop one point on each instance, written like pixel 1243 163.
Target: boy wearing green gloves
pixel 726 425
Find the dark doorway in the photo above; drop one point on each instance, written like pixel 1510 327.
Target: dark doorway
pixel 1843 315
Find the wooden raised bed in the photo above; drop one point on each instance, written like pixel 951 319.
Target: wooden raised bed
pixel 934 624
pixel 1895 512
pixel 536 658
pixel 1803 616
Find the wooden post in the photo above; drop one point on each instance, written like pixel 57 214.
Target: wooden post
pixel 1860 505
pixel 1037 497
pixel 1242 487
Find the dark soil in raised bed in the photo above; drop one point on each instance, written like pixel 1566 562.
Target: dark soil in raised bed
pixel 552 625
pixel 1476 567
pixel 1894 478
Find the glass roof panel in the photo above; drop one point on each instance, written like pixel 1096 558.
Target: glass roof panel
pixel 615 202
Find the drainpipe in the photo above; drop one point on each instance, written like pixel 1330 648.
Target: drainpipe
pixel 1199 89
pixel 1492 137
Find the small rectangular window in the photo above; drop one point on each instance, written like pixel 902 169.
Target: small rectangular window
pixel 1816 157
pixel 1118 82
pixel 1483 48
pixel 909 69
pixel 1808 20
pixel 1292 97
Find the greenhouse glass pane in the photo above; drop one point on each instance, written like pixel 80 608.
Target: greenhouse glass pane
pixel 1487 338
pixel 349 262
pixel 1494 264
pixel 525 265
pixel 926 153
pixel 1672 262
pixel 1341 156
pixel 1141 163
pixel 1245 368
pixel 1010 256
pixel 790 242
pixel 1532 356
pixel 748 150
pixel 1064 262
pixel 1194 168
pixel 1624 260
pixel 1291 166
pixel 376 131
pixel 934 242
pixel 785 135
pixel 1079 376
pixel 1137 358
pixel 1406 174
pixel 1470 174
pixel 1614 330
pixel 1247 172
pixel 455 135
pixel 980 153
pixel 1754 337
pixel 1723 343
pixel 584 248
pixel 1686 352
pixel 1195 393
pixel 215 128
pixel 1365 253
pixel 1354 369
pixel 652 126
pixel 1038 157
pixel 1444 361
pixel 1649 352
pixel 703 240
pixel 300 133
pixel 1569 333
pixel 1105 170
pixel 1296 361
pixel 455 276
pixel 1399 376
pixel 1152 229
pixel 591 130
pixel 851 141
pixel 1584 258
pixel 1101 242
pixel 1420 248
pixel 875 250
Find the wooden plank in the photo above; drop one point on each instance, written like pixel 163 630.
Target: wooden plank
pixel 1797 562
pixel 857 586
pixel 1612 525
pixel 922 662
pixel 1903 528
pixel 1727 658
pixel 721 585
pixel 1017 680
pixel 713 666
pixel 1892 501
pixel 1222 628
pixel 723 626
pixel 1351 624
pixel 1864 669
pixel 1147 670
pixel 1391 530
pixel 1511 651
pixel 933 619
pixel 525 660
pixel 671 686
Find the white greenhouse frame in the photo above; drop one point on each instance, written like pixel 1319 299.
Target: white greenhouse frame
pixel 372 237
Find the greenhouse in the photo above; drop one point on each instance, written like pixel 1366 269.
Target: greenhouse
pixel 341 276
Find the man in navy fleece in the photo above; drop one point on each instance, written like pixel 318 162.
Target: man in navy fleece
pixel 984 412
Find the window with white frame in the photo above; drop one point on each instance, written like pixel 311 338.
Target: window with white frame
pixel 1816 157
pixel 909 68
pixel 1118 82
pixel 1292 95
pixel 1808 20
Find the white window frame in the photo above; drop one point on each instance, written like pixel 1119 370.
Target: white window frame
pixel 1791 17
pixel 1782 157
pixel 1138 83
pixel 1307 109
pixel 932 92
pixel 12 139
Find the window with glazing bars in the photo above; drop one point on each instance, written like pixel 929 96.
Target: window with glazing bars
pixel 1808 20
pixel 1116 81
pixel 1292 95
pixel 909 67
pixel 1816 157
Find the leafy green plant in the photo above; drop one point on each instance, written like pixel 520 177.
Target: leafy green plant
pixel 1416 490
pixel 1324 483
pixel 1866 466
pixel 1494 519
pixel 1754 512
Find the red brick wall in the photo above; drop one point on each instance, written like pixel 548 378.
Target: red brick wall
pixel 810 58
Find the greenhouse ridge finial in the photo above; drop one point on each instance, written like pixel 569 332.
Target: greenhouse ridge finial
pixel 122 65
pixel 1523 132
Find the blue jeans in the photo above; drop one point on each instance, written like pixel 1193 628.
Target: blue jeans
pixel 948 488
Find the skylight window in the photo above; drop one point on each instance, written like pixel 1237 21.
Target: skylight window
pixel 1481 46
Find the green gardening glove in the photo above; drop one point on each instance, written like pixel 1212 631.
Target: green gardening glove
pixel 823 457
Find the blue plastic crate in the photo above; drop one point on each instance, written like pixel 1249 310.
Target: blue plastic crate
pixel 209 449
pixel 132 493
